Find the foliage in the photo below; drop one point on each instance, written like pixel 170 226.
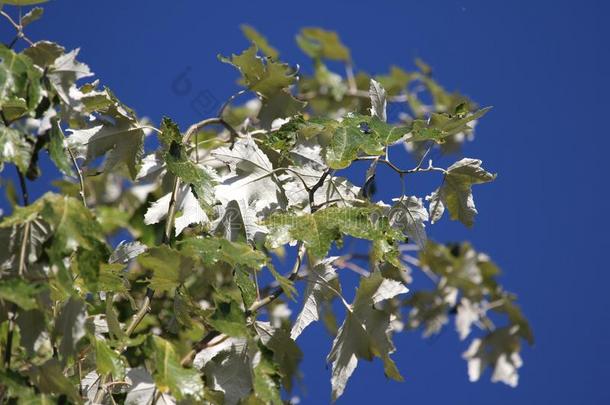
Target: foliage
pixel 180 312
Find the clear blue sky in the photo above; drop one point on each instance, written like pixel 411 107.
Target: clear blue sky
pixel 543 65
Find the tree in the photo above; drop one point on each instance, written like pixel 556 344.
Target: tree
pixel 191 307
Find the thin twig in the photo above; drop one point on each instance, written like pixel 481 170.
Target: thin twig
pixel 79 172
pixel 275 294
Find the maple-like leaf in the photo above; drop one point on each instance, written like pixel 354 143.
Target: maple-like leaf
pixel 455 193
pixel 365 333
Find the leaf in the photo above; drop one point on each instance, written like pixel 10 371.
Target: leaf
pixel 123 142
pixel 125 252
pixel 63 73
pixel 57 151
pixel 320 229
pixel 70 325
pixel 441 125
pixel 285 283
pixel 408 214
pixel 32 329
pixel 260 41
pixel 116 133
pixel 186 203
pixel 456 194
pixel 170 267
pixel 365 332
pixel 238 223
pixel 246 286
pixel 319 43
pixel 19 83
pixel 280 105
pixel 31 16
pixel 211 250
pixel 378 101
pixel 229 318
pixel 230 373
pixel 266 388
pixel 266 77
pixel 251 178
pixel 286 353
pixel 21 293
pixel 358 133
pixel 49 378
pixel 108 362
pixel 23 2
pixel 334 189
pixel 170 376
pixel 14 148
pixel 468 313
pixel 143 389
pixel 179 164
pixel 322 282
pixel 499 350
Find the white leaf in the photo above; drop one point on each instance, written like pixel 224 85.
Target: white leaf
pixel 143 389
pixel 409 214
pixel 230 373
pixel 336 189
pixel 365 333
pixel 251 178
pixel 186 202
pixel 225 345
pixel 125 252
pixel 378 100
pixel 237 222
pixel 467 314
pixel 318 280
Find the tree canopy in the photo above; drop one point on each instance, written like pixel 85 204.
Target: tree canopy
pixel 227 224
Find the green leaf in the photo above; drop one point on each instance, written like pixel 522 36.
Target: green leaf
pixel 319 43
pixel 266 77
pixel 49 378
pixel 211 250
pixel 229 318
pixel 286 284
pixel 14 148
pixel 246 286
pixel 108 361
pixel 21 292
pixel 170 376
pixel 179 164
pixel 170 268
pixel 260 41
pixel 320 229
pixel 57 151
pixel 356 134
pixel 19 79
pixel 23 2
pixel 442 125
pixel 266 388
pixel 456 191
pixel 286 353
pixel 31 16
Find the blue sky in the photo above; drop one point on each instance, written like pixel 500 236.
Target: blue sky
pixel 545 68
